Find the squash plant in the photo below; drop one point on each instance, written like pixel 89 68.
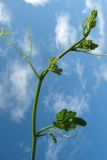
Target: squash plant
pixel 66 120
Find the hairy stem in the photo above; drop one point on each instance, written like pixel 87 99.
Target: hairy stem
pixel 34 137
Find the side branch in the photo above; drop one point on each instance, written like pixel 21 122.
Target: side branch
pixel 21 53
pixel 71 48
pixel 44 129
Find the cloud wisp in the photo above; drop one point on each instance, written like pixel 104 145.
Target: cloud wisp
pixel 100 73
pixel 15 91
pixel 80 72
pixel 5 15
pixel 65 33
pixel 58 101
pixel 53 150
pixel 37 2
pixel 19 80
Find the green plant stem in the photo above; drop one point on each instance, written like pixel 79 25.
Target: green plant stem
pixel 41 135
pixel 34 136
pixel 72 48
pixel 44 129
pixel 33 152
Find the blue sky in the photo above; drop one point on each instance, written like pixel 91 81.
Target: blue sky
pixel 82 87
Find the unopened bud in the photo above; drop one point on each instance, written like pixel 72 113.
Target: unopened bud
pixel 94 13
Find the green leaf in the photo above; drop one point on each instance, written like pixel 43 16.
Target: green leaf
pixel 79 121
pixel 88 45
pixel 67 120
pixel 63 114
pixel 54 67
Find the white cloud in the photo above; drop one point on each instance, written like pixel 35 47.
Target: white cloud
pixel 19 78
pixel 37 2
pixel 70 66
pixel 53 150
pixel 80 71
pixel 5 16
pixel 103 72
pixel 24 147
pixel 100 74
pixel 91 3
pixel 15 93
pixel 58 101
pixel 65 67
pixel 59 150
pixel 65 33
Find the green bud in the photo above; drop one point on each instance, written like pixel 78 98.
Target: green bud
pixel 94 13
pixel 89 22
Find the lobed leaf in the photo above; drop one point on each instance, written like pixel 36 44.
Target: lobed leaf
pixel 88 45
pixel 67 120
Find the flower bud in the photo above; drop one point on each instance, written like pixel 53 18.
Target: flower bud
pixel 94 13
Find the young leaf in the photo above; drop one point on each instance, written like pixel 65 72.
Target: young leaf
pixel 88 45
pixel 67 120
pixel 54 67
pixel 63 114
